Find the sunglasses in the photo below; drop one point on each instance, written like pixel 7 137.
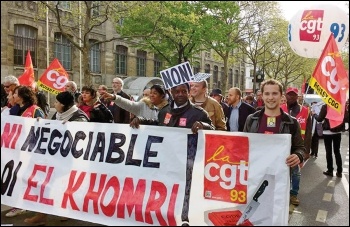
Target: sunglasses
pixel 7 86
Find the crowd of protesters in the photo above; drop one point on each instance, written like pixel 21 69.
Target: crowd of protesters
pixel 269 111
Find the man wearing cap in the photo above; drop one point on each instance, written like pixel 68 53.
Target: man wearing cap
pixel 217 95
pixel 303 116
pixel 199 97
pixel 259 102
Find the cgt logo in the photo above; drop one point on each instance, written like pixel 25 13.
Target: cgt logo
pixel 311 25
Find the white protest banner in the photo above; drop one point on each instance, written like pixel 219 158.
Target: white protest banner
pixel 198 77
pixel 176 75
pixel 123 176
pixel 233 168
pixel 102 173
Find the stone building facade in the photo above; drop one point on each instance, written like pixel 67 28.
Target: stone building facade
pixel 17 15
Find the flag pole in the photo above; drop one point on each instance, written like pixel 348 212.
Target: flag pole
pixel 80 68
pixel 47 45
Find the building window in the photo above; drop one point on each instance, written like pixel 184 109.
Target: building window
pixel 207 54
pixel 236 78
pixel 215 74
pixel 95 9
pixel 141 63
pixel 121 59
pixel 230 75
pixel 242 79
pixel 63 51
pixel 65 5
pixel 25 39
pixel 157 64
pixel 95 57
pixel 207 70
pixel 196 67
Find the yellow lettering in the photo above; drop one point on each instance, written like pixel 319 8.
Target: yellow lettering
pixel 216 156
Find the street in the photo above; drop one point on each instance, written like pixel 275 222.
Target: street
pixel 324 201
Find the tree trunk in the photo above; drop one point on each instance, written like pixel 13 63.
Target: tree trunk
pixel 224 79
pixel 86 68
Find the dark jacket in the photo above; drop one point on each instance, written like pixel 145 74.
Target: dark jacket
pixel 191 113
pixel 289 125
pixel 226 110
pixel 119 114
pixel 188 115
pixel 325 125
pixel 243 112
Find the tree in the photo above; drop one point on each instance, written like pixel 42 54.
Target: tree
pixel 84 17
pixel 284 65
pixel 173 25
pixel 223 18
pixel 257 21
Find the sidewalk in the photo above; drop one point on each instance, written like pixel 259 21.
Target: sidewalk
pixel 51 220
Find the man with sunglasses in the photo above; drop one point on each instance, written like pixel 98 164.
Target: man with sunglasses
pixel 10 82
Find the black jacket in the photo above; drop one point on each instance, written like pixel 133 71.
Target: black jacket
pixel 243 112
pixel 325 125
pixel 188 115
pixel 289 125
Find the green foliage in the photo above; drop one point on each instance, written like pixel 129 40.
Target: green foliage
pixel 169 29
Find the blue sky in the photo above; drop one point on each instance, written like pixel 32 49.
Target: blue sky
pixel 290 8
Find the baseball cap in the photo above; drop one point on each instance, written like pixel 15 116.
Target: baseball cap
pixel 216 91
pixel 292 89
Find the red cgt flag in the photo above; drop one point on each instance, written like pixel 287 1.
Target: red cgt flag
pixel 27 78
pixel 331 82
pixel 54 78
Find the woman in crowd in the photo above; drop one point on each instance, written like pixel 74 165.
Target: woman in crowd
pixel 11 102
pixel 87 99
pixel 93 107
pixel 23 102
pixel 147 107
pixel 66 111
pixel 26 99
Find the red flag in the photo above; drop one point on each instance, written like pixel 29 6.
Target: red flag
pixel 54 78
pixel 27 78
pixel 331 82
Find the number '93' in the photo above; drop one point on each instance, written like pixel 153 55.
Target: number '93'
pixel 238 196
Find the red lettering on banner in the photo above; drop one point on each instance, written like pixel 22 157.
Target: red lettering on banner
pixel 71 189
pixel 109 209
pixel 171 208
pixel 7 137
pixel 132 198
pixel 154 204
pixel 91 195
pixel 31 183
